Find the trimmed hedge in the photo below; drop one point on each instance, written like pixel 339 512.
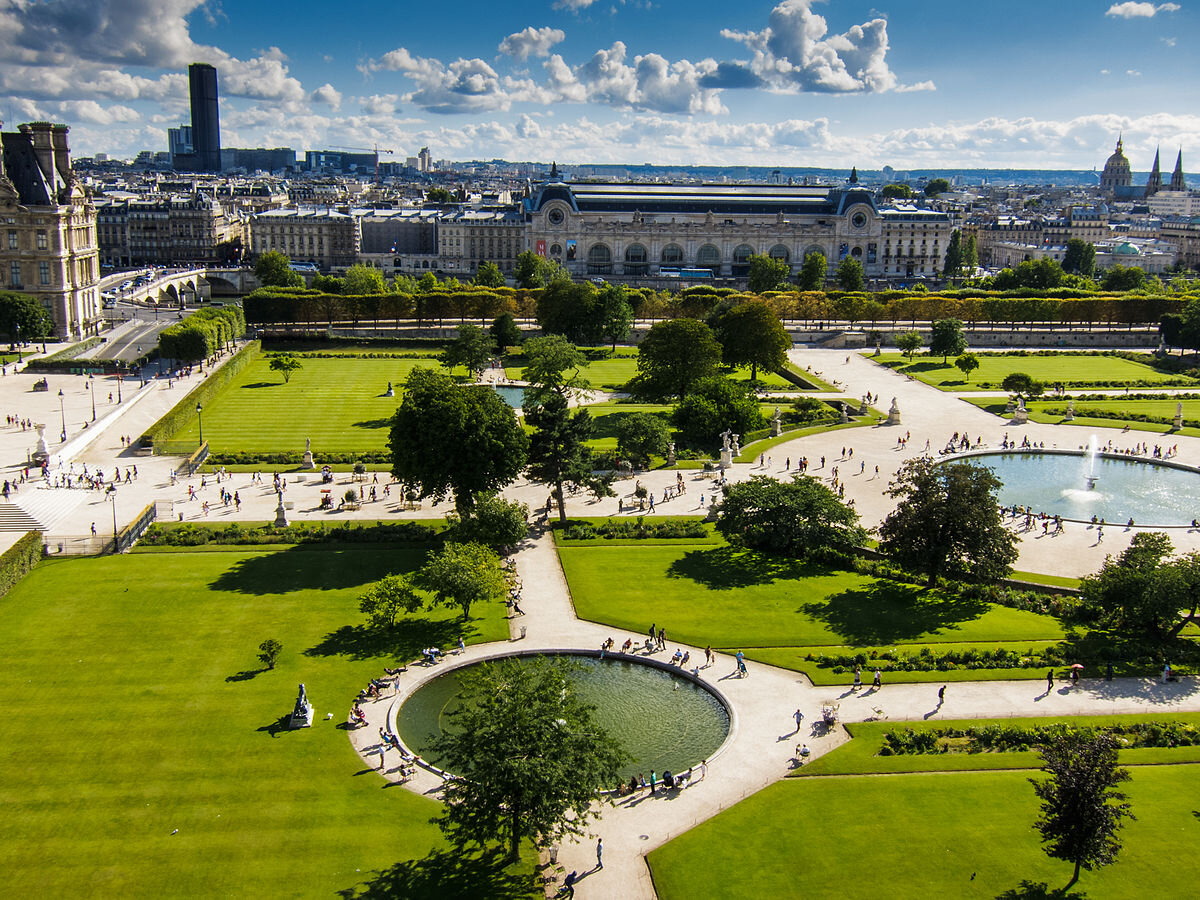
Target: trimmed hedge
pixel 195 535
pixel 1018 739
pixel 18 560
pixel 294 458
pixel 55 361
pixel 633 528
pixel 181 413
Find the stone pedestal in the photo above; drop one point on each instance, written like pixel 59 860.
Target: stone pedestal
pixel 726 458
pixel 41 452
pixel 1020 415
pixel 845 413
pixel 671 454
pixel 894 413
pixel 1070 416
pixel 776 428
pixel 308 461
pixel 281 519
pixel 1009 407
pixel 1177 422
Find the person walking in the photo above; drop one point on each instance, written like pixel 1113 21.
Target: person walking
pixel 877 683
pixel 653 780
pixel 708 656
pixel 1049 680
pixel 599 853
pixel 799 717
pixel 857 679
pixel 941 695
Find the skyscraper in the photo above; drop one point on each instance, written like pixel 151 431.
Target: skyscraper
pixel 206 125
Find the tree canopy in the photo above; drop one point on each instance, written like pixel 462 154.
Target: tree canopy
pixel 967 363
pixel 285 364
pixel 768 274
pixel 533 271
pixel 850 275
pixel 909 342
pixel 799 518
pixel 751 334
pixel 464 574
pixel 946 339
pixel 897 192
pixel 1080 258
pixel 947 522
pixel 489 275
pixel 505 332
pixel 362 279
pixel 812 272
pixel 558 453
pixel 274 268
pixel 553 365
pixel 1081 809
pixel 1022 385
pixel 23 316
pixel 493 521
pixel 1143 590
pixel 674 355
pixel 616 314
pixel 449 438
pixel 529 754
pixel 384 600
pixel 713 404
pixel 641 434
pixel 473 348
pixel 936 186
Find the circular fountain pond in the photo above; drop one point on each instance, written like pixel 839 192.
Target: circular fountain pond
pixel 662 719
pixel 1082 485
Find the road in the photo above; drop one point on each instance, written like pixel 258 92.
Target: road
pixel 137 333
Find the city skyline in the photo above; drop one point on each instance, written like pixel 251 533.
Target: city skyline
pixel 795 83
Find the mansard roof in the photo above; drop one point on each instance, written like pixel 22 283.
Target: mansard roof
pixel 719 199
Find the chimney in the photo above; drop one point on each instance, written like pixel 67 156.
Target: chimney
pixel 62 153
pixel 43 148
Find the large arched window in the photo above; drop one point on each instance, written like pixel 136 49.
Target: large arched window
pixel 599 260
pixel 637 260
pixel 741 260
pixel 709 257
pixel 780 252
pixel 672 255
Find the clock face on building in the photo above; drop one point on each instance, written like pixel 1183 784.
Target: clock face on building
pixel 859 220
pixel 556 216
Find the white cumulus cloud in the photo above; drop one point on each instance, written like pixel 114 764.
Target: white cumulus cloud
pixel 531 42
pixel 1131 10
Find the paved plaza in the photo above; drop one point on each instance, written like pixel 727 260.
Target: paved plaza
pixel 763 740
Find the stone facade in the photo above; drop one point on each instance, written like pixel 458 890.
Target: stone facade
pixel 180 229
pixel 628 231
pixel 48 242
pixel 473 236
pixel 323 237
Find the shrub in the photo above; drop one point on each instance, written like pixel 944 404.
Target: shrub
pixel 18 560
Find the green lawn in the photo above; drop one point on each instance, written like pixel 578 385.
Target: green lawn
pixel 1052 412
pixel 741 599
pixel 614 373
pixel 861 755
pixel 136 706
pixel 1072 369
pixel 338 403
pixel 960 835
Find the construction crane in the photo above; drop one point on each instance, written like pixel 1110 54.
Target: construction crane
pixel 375 149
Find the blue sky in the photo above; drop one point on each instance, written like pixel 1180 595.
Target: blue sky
pixel 1017 84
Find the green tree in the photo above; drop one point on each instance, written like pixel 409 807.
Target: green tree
pixel 387 598
pixel 616 315
pixel 463 575
pixel 954 255
pixel 489 275
pixel 558 452
pixel 909 342
pixel 967 363
pixel 329 284
pixel 970 254
pixel 751 334
pixel 438 195
pixel 575 311
pixel 713 404
pixel 1143 590
pixel 1123 278
pixel 1080 258
pixel 450 438
pixel 362 279
pixel 1041 273
pixel 674 355
pixel 274 269
pixel 639 435
pixel 531 758
pixel 285 364
pixel 767 274
pixel 505 332
pixel 1081 809
pixel 493 521
pixel 1022 385
pixel 553 365
pixel 472 348
pixel 23 317
pixel 533 271
pixel 947 521
pixel 812 272
pixel 268 652
pixel 897 192
pixel 849 275
pixel 946 339
pixel 937 186
pixel 798 518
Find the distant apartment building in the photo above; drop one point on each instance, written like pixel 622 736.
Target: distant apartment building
pixel 327 238
pixel 1183 233
pixel 400 240
pixel 48 228
pixel 468 237
pixel 168 230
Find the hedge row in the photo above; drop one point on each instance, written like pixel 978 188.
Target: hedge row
pixel 633 528
pixel 54 362
pixel 182 412
pixel 194 535
pixel 202 334
pixel 18 560
pixel 1016 739
pixel 294 458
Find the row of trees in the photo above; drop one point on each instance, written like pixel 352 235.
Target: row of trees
pixel 202 334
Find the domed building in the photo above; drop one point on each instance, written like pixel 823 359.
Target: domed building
pixel 1117 173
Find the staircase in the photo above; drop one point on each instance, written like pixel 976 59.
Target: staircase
pixel 38 509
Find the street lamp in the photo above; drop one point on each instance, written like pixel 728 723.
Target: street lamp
pixel 200 422
pixel 118 389
pixel 91 390
pixel 112 495
pixel 64 416
pixel 17 326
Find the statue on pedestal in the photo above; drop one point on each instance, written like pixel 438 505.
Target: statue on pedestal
pixel 281 519
pixel 390 392
pixel 308 457
pixel 776 424
pixel 894 413
pixel 41 452
pixel 671 454
pixel 1178 423
pixel 302 713
pixel 1070 417
pixel 1021 414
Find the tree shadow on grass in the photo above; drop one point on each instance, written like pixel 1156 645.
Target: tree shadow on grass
pixel 310 569
pixel 261 384
pixel 1039 890
pixel 405 640
pixel 246 674
pixel 448 875
pixel 724 568
pixel 373 423
pixel 886 612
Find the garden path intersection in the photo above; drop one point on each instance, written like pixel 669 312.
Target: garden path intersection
pixel 763 741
